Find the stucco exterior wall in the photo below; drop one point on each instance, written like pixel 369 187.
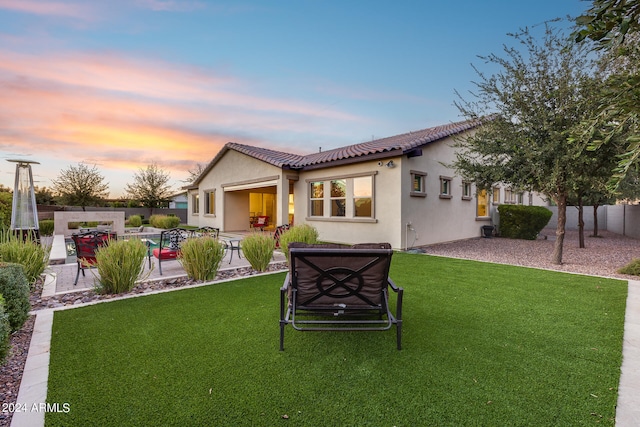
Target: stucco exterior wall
pixel 434 219
pixel 233 169
pixel 386 205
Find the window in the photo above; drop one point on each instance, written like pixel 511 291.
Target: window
pixel 509 196
pixel 317 199
pixel 445 187
pixel 418 184
pixel 338 197
pixel 195 204
pixel 343 198
pixel 483 204
pixel 466 190
pixel 210 202
pixel 496 195
pixel 362 196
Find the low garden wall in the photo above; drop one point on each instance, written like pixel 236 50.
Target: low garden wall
pixel 62 219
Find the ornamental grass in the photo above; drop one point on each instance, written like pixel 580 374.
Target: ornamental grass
pixel 258 250
pixel 120 265
pixel 201 257
pixel 33 256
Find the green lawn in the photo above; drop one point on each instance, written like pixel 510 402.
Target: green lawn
pixel 484 345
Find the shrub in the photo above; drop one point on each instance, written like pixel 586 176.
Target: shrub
pixel 15 290
pixel 299 233
pixel 258 250
pixel 33 256
pixel 46 227
pixel 6 202
pixel 164 221
pixel 135 220
pixel 5 331
pixel 120 265
pixel 522 222
pixel 633 268
pixel 201 257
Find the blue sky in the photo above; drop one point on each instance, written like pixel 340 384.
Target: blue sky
pixel 120 84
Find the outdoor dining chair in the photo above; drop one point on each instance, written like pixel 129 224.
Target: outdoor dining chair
pixel 169 247
pixel 87 244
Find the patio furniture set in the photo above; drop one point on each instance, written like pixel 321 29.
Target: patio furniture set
pixel 328 287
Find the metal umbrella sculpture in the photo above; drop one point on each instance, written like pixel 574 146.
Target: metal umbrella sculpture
pixel 24 213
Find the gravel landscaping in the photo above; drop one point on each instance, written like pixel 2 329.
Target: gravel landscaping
pixel 602 256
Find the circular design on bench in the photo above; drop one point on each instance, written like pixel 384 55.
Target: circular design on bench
pixel 327 282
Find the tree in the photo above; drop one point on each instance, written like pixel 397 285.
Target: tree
pixel 44 196
pixel 6 203
pixel 195 172
pixel 608 22
pixel 150 187
pixel 529 109
pixel 80 185
pixel 615 25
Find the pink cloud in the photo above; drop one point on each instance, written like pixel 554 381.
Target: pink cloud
pixel 123 112
pixel 48 8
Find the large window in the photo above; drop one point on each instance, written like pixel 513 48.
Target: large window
pixel 362 197
pixel 348 197
pixel 317 199
pixel 210 202
pixel 195 204
pixel 483 204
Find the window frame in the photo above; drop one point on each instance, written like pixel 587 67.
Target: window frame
pixel 487 205
pixel 335 199
pixel 195 204
pixel 316 199
pixel 349 198
pixel 466 190
pixel 209 196
pixel 495 195
pixel 355 197
pixel 445 187
pixel 423 181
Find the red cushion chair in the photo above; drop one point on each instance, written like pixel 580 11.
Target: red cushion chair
pixel 87 244
pixel 169 247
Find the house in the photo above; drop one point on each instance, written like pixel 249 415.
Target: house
pixel 179 201
pixel 394 189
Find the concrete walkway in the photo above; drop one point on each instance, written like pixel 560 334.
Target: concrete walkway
pixel 33 388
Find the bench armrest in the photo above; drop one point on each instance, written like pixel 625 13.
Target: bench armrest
pixel 395 288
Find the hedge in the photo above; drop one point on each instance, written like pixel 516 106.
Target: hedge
pixel 523 222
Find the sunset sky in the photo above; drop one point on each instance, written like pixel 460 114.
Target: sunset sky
pixel 122 83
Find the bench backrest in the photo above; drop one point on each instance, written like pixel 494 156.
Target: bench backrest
pixel 327 275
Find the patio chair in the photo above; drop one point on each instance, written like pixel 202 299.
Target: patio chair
pixel 261 222
pixel 278 232
pixel 338 288
pixel 207 231
pixel 87 244
pixel 169 247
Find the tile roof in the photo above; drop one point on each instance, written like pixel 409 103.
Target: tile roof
pixel 392 145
